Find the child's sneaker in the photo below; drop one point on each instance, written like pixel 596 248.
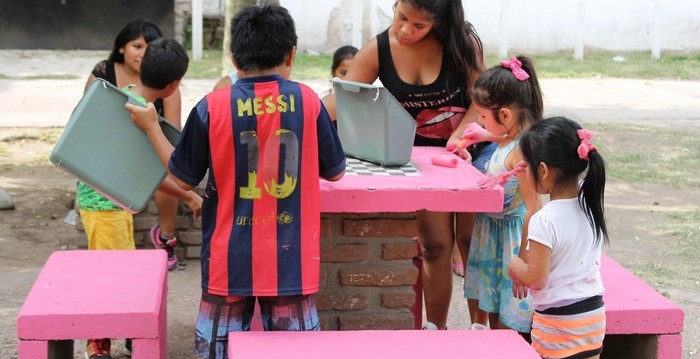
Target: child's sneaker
pixel 165 243
pixel 430 326
pixel 98 349
pixel 478 326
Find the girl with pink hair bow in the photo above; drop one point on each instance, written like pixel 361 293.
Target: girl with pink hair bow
pixel 508 99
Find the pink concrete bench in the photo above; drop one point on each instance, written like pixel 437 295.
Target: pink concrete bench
pixel 385 344
pixel 96 294
pixel 641 323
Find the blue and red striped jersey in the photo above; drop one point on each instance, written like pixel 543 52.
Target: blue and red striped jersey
pixel 265 141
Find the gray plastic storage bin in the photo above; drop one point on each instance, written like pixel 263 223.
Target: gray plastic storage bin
pixel 103 148
pixel 372 125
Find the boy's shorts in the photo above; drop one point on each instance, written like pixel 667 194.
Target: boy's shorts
pixel 108 229
pixel 220 315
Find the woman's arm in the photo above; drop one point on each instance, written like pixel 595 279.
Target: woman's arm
pixel 471 115
pixel 364 68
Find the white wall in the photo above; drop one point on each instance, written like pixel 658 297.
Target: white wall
pixel 533 26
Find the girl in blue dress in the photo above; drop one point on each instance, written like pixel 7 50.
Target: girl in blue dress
pixel 509 100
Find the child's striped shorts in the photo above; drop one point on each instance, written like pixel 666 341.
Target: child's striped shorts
pixel 571 332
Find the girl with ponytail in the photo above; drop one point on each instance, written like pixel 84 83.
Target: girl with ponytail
pixel 562 267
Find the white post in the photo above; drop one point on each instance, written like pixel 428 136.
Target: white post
pixel 656 33
pixel 197 30
pixel 357 23
pixel 503 31
pixel 580 24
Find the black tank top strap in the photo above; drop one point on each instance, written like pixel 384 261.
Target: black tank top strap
pixel 387 71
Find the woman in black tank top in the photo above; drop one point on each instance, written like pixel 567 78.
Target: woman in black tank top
pixel 429 59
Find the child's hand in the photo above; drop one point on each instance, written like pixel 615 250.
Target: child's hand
pixel 475 133
pixel 145 118
pixel 455 147
pixel 520 291
pixel 194 201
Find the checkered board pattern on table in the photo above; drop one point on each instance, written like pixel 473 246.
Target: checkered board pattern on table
pixel 356 167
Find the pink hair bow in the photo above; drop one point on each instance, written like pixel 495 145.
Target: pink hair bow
pixel 516 67
pixel 501 178
pixel 586 146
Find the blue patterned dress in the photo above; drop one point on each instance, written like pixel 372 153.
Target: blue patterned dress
pixel 495 241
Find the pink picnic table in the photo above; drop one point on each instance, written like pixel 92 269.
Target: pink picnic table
pixel 85 294
pixel 435 188
pixel 640 322
pixel 385 344
pixel 376 197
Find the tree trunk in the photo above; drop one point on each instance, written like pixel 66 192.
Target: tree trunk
pixel 232 8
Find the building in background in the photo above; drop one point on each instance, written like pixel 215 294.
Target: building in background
pixel 322 26
pixel 75 24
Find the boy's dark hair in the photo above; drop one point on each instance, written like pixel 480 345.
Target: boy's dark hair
pixel 133 31
pixel 261 35
pixel 555 141
pixel 164 62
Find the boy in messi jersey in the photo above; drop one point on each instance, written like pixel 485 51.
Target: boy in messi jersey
pixel 265 142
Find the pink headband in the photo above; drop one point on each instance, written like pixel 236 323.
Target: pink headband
pixel 516 67
pixel 585 145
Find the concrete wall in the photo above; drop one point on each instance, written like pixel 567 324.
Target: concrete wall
pixel 75 24
pixel 532 26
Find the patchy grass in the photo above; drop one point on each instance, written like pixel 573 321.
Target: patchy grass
pixel 669 156
pixel 637 65
pixel 30 144
pixel 685 226
pixel 209 67
pixel 306 66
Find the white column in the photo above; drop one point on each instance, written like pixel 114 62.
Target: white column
pixel 197 30
pixel 503 30
pixel 580 31
pixel 357 23
pixel 656 33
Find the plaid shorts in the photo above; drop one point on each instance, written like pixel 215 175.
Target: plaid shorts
pixel 220 315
